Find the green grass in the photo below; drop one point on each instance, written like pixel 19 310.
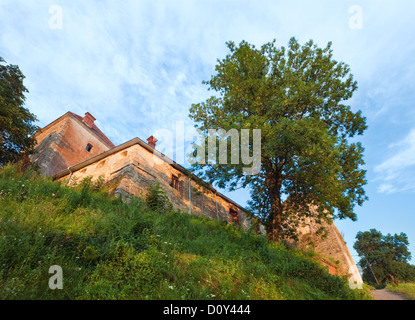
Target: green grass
pixel 109 249
pixel 405 289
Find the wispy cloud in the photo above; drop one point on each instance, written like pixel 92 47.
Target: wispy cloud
pixel 137 66
pixel 397 173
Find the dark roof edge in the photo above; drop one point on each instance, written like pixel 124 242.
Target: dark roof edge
pixel 62 116
pixel 150 149
pixel 71 114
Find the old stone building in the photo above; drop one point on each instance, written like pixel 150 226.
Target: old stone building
pixel 67 141
pixel 73 147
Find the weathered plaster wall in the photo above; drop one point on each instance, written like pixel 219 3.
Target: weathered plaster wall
pixel 62 144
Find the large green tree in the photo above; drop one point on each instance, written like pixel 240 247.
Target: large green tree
pixel 296 96
pixel 16 122
pixel 384 258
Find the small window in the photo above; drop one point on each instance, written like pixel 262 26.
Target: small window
pixel 234 216
pixel 88 147
pixel 176 183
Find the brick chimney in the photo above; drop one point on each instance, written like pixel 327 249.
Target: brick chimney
pixel 152 142
pixel 88 120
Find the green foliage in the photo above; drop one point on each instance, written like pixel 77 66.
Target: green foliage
pixel 157 200
pixel 384 258
pixel 405 289
pixel 296 96
pixel 91 254
pixel 130 274
pixel 16 122
pixel 109 249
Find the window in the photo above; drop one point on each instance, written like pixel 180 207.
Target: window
pixel 88 147
pixel 234 216
pixel 176 183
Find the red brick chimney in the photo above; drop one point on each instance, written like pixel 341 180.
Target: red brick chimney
pixel 152 142
pixel 88 120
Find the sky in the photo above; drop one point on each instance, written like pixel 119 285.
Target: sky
pixel 137 66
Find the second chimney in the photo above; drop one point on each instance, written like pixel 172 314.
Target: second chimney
pixel 88 120
pixel 152 142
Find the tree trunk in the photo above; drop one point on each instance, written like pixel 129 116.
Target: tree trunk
pixel 368 263
pixel 395 281
pixel 274 224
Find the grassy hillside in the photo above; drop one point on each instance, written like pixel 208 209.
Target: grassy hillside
pixel 405 289
pixel 112 250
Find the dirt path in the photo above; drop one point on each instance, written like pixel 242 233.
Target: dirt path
pixel 385 294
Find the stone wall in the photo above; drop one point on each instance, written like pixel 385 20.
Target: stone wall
pixel 134 168
pixel 332 247
pixel 62 144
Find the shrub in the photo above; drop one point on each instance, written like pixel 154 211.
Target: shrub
pixel 157 200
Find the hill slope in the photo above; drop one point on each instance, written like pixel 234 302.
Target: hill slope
pixel 112 250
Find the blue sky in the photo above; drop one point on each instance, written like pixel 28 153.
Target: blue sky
pixel 137 66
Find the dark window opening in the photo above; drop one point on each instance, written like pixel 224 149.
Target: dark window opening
pixel 88 147
pixel 234 216
pixel 176 183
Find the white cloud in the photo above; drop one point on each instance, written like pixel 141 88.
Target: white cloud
pixel 137 66
pixel 397 173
